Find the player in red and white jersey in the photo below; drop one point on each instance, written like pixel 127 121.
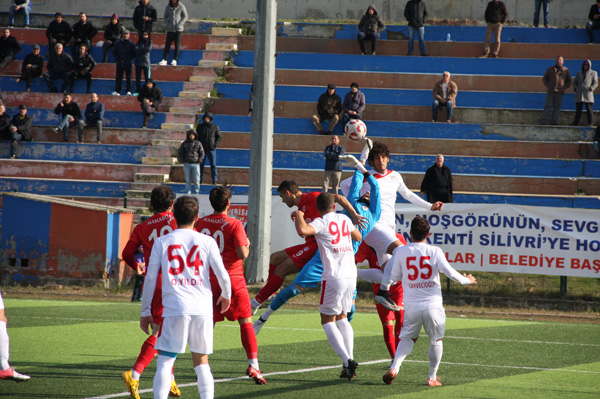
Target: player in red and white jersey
pixel 234 246
pixel 334 233
pixel 185 259
pixel 145 234
pixel 418 265
pixel 6 371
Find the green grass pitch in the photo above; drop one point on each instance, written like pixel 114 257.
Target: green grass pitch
pixel 79 350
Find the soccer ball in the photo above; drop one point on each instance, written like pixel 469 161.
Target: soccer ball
pixel 355 129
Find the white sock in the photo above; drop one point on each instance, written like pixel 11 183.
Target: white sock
pixel 348 333
pixel 267 313
pixel 370 275
pixel 253 363
pixel 336 340
pixel 4 344
pixel 135 375
pixel 162 378
pixel 361 168
pixel 404 348
pixel 206 382
pixel 435 358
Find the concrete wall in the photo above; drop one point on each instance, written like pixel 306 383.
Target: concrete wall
pixel 562 12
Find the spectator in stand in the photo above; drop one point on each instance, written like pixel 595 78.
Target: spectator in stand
pixel 536 12
pixel 124 52
pixel 142 59
pixel 20 129
pixel 495 16
pixel 112 34
pixel 175 18
pixel 59 31
pixel 586 81
pixel 4 123
pixel 210 137
pixel 83 65
pixel 354 104
pixel 597 140
pixel 557 79
pixel 94 115
pixel 191 154
pixel 59 66
pixel 70 114
pixel 437 183
pixel 329 108
pixel 23 6
pixel 370 26
pixel 9 47
pixel 83 33
pixel 150 98
pixel 333 165
pixel 144 16
pixel 416 14
pixel 31 67
pixel 444 95
pixel 594 17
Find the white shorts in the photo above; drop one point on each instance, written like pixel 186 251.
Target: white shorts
pixel 177 331
pixel 336 296
pixel 1 302
pixel 432 320
pixel 380 238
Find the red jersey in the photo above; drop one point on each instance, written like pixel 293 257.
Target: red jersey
pixel 145 233
pixel 229 234
pixel 308 205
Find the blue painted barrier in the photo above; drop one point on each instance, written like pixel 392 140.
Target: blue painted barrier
pixel 66 188
pixel 72 152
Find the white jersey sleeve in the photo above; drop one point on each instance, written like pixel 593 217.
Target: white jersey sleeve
pixel 444 267
pixel 409 195
pixel 345 186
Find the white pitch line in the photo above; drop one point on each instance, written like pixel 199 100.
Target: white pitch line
pixel 520 341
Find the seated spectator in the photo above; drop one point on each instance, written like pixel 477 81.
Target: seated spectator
pixel 144 16
pixel 70 114
pixel 142 59
pixel 20 129
pixel 329 108
pixel 112 34
pixel 190 154
pixel 31 67
pixel 83 33
pixel 19 6
pixel 83 65
pixel 175 17
pixel 370 26
pixel 4 123
pixel 444 95
pixel 9 47
pixel 354 104
pixel 594 17
pixel 94 115
pixel 150 98
pixel 59 31
pixel 59 66
pixel 124 52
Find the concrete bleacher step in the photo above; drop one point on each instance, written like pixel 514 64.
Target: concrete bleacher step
pixel 194 94
pixel 212 63
pixel 131 136
pixel 218 31
pixel 176 126
pixel 183 110
pixel 222 46
pixel 199 78
pixel 151 178
pixel 159 161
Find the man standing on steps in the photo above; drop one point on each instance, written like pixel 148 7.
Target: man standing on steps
pixel 144 16
pixel 210 137
pixel 415 13
pixel 495 16
pixel 557 79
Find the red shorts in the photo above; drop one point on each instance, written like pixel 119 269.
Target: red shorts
pixel 301 254
pixel 240 300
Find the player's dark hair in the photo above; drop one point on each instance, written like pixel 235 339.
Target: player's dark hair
pixel 325 202
pixel 219 196
pixel 288 185
pixel 379 148
pixel 419 228
pixel 185 210
pixel 161 198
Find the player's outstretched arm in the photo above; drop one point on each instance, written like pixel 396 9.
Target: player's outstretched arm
pixel 471 278
pixel 437 206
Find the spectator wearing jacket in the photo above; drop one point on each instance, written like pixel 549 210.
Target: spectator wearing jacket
pixel 20 129
pixel 59 66
pixel 9 47
pixel 59 31
pixel 210 137
pixel 19 6
pixel 594 23
pixel 142 59
pixel 70 114
pixel 354 104
pixel 150 98
pixel 444 95
pixel 175 18
pixel 584 84
pixel 191 154
pixel 4 123
pixel 32 66
pixel 83 33
pixel 495 16
pixel 83 65
pixel 144 16
pixel 557 79
pixel 437 183
pixel 94 117
pixel 329 108
pixel 112 34
pixel 124 54
pixel 333 165
pixel 370 26
pixel 416 14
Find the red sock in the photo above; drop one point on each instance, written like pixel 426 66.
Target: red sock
pixel 249 340
pixel 147 353
pixel 272 269
pixel 274 282
pixel 398 326
pixel 388 338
